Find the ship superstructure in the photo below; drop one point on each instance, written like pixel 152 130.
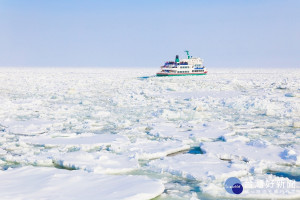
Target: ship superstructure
pixel 188 66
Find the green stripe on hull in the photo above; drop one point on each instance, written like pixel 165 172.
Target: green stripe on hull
pixel 179 74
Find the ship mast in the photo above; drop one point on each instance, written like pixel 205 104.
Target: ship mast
pixel 187 53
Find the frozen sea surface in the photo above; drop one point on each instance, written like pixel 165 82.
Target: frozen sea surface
pixel 126 134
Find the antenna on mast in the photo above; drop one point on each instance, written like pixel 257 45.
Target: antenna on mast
pixel 187 53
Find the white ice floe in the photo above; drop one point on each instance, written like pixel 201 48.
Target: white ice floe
pixel 50 183
pixel 292 153
pixel 209 133
pixel 27 127
pixel 257 187
pixel 251 151
pixel 199 167
pixel 30 158
pixel 84 141
pixel 98 162
pixel 149 149
pixel 2 152
pixel 167 130
pixel 232 138
pixel 207 93
pixel 194 133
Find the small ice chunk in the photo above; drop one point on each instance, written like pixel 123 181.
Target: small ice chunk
pixel 28 127
pixel 149 149
pixel 292 153
pixel 51 183
pixel 2 152
pixel 209 134
pixel 197 132
pixel 204 93
pixel 209 131
pixel 232 138
pixel 254 150
pixel 98 162
pixel 85 141
pixel 42 159
pixel 198 166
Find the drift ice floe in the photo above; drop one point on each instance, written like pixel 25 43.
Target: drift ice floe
pixel 189 66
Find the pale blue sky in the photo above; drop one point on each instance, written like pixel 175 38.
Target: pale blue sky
pixel 226 33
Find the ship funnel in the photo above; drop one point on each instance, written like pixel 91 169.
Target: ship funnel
pixel 177 59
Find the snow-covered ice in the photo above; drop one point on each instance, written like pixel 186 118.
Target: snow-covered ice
pixel 193 132
pixel 28 127
pixel 148 149
pixel 102 162
pixel 85 141
pixel 199 167
pixel 50 183
pixel 134 135
pixel 251 151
